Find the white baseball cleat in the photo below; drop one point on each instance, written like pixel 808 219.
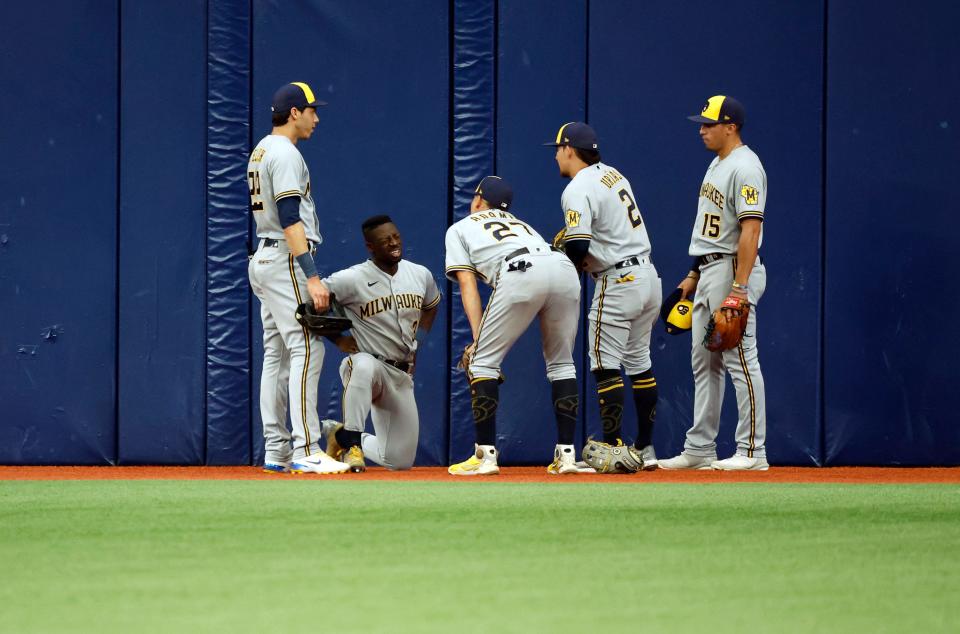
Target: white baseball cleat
pixel 740 463
pixel 649 458
pixel 686 461
pixel 565 461
pixel 318 462
pixel 483 462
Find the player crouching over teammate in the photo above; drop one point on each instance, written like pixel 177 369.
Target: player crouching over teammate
pixel 606 236
pixel 392 303
pixel 529 279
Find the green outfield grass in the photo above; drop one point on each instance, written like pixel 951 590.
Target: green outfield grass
pixel 297 555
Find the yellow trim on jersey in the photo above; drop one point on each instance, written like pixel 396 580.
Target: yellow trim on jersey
pixel 712 109
pixel 753 403
pixel 306 91
pixel 750 214
pixel 433 303
pixel 483 318
pixel 560 132
pixel 746 376
pixel 596 339
pixel 343 394
pixel 465 267
pixel 306 361
pixel 286 194
pixel 615 386
pixel 577 236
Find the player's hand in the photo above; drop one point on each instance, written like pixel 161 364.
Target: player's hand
pixel 687 286
pixel 347 344
pixel 734 304
pixel 319 293
pixel 467 356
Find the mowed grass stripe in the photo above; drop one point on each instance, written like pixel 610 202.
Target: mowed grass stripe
pixel 161 556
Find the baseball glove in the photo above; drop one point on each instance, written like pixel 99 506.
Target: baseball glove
pixel 326 325
pixel 560 239
pixel 467 357
pixel 727 324
pixel 607 458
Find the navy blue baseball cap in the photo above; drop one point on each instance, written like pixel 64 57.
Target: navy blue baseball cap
pixel 720 109
pixel 576 134
pixel 496 191
pixel 294 95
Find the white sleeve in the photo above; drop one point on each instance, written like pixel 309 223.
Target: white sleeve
pixel 343 284
pixel 286 172
pixel 751 195
pixel 577 213
pixel 431 296
pixel 457 258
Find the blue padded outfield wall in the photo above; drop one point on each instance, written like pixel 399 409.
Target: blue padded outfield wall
pixel 129 333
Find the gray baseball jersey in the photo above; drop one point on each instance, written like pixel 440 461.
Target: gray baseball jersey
pixel 599 204
pixel 733 189
pixel 480 241
pixel 385 310
pixel 529 280
pixel 292 356
pixel 277 170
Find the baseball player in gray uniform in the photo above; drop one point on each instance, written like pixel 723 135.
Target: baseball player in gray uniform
pixel 529 279
pixel 726 237
pixel 606 236
pixel 392 303
pixel 283 275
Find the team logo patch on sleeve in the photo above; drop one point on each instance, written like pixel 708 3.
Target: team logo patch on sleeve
pixel 573 218
pixel 750 194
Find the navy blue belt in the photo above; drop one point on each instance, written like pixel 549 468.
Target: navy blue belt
pixel 526 251
pixel 272 242
pixel 403 366
pixel 713 257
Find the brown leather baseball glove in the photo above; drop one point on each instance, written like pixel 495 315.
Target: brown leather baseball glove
pixel 727 324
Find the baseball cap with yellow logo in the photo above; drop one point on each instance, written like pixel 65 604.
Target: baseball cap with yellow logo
pixel 720 109
pixel 575 134
pixel 676 313
pixel 294 95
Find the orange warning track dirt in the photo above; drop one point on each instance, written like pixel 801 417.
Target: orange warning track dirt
pixel 829 475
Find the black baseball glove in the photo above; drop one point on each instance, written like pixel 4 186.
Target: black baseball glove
pixel 330 324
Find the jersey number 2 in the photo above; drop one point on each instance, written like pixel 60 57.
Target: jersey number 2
pixel 256 203
pixel 632 212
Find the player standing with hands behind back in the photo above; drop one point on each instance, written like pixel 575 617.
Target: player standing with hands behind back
pixel 606 237
pixel 726 272
pixel 282 273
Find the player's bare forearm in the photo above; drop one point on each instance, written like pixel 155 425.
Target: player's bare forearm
pixel 426 319
pixel 470 297
pixel 747 249
pixel 296 238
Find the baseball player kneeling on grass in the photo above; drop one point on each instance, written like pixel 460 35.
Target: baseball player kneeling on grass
pixel 392 303
pixel 529 279
pixel 727 274
pixel 605 236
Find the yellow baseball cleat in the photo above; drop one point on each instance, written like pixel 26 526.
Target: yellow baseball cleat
pixel 483 462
